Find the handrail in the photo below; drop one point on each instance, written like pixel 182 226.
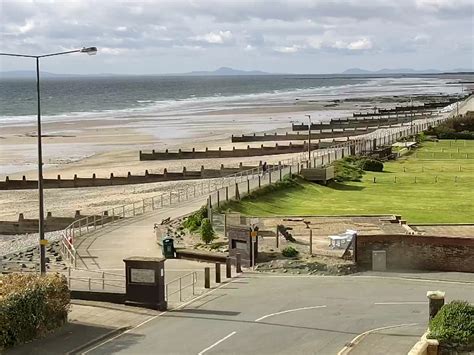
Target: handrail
pixel 194 190
pixel 181 287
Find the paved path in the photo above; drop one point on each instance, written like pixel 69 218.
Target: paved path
pixel 263 314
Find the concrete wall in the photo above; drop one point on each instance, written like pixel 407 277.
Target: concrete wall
pixel 234 153
pixel 10 184
pixel 418 252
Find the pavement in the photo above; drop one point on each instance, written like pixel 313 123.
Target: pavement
pixel 278 314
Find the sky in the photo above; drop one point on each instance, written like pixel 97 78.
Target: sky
pixel 278 36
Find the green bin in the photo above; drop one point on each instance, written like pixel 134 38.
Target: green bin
pixel 168 248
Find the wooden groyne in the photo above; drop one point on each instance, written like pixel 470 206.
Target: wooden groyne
pixel 76 182
pixel 232 153
pixel 51 223
pixel 340 123
pixel 290 136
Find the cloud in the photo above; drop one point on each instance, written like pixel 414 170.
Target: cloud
pixel 288 49
pixel 215 32
pixel 215 37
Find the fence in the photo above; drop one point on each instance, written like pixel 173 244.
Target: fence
pixel 241 183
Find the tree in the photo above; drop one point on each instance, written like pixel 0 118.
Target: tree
pixel 207 232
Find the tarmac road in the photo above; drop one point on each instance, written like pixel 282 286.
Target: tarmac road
pixel 267 314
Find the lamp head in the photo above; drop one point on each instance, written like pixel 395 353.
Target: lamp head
pixel 89 50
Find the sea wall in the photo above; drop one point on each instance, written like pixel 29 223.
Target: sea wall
pixel 220 153
pixel 418 252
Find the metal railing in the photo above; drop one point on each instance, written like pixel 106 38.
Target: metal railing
pixel 201 188
pixel 104 279
pixel 180 286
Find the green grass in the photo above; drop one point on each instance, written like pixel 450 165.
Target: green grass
pixel 443 191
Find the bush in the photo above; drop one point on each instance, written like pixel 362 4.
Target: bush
pixel 371 165
pixel 30 306
pixel 207 232
pixel 289 252
pixel 347 169
pixel 194 221
pixel 454 324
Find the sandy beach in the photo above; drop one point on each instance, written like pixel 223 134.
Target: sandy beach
pixel 104 146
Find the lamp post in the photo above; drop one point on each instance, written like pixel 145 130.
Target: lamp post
pixel 309 141
pixel 42 240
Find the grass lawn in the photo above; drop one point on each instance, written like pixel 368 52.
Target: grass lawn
pixel 422 187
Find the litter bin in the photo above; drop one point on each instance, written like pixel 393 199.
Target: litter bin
pixel 168 248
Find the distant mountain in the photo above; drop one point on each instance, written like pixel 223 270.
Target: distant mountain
pixel 227 71
pixel 31 74
pixel 403 71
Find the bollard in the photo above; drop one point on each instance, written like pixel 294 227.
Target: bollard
pixel 207 277
pixel 436 301
pixel 277 238
pixel 238 265
pixel 218 273
pixel 228 267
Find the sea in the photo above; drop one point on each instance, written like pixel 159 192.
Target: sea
pixel 121 97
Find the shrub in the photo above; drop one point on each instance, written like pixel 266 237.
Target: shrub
pixel 454 324
pixel 207 232
pixel 371 165
pixel 289 252
pixel 194 221
pixel 30 306
pixel 347 169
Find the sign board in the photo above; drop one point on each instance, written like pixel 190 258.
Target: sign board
pixel 143 276
pixel 44 242
pixel 253 234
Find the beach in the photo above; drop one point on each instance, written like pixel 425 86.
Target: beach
pixel 101 146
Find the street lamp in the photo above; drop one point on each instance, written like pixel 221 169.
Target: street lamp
pixel 42 240
pixel 309 141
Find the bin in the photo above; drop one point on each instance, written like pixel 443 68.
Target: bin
pixel 168 248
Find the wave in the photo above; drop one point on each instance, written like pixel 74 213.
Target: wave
pixel 194 104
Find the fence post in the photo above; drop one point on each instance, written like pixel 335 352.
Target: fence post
pixel 277 238
pixel 103 280
pixel 207 277
pixel 218 273
pixel 95 227
pixel 248 186
pixel 311 242
pixel 228 267
pixel 227 193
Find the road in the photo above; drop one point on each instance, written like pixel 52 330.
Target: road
pixel 266 314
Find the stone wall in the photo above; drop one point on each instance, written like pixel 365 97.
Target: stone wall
pixel 418 252
pixel 220 153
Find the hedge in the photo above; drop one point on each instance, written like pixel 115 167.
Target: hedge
pixel 454 325
pixel 30 306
